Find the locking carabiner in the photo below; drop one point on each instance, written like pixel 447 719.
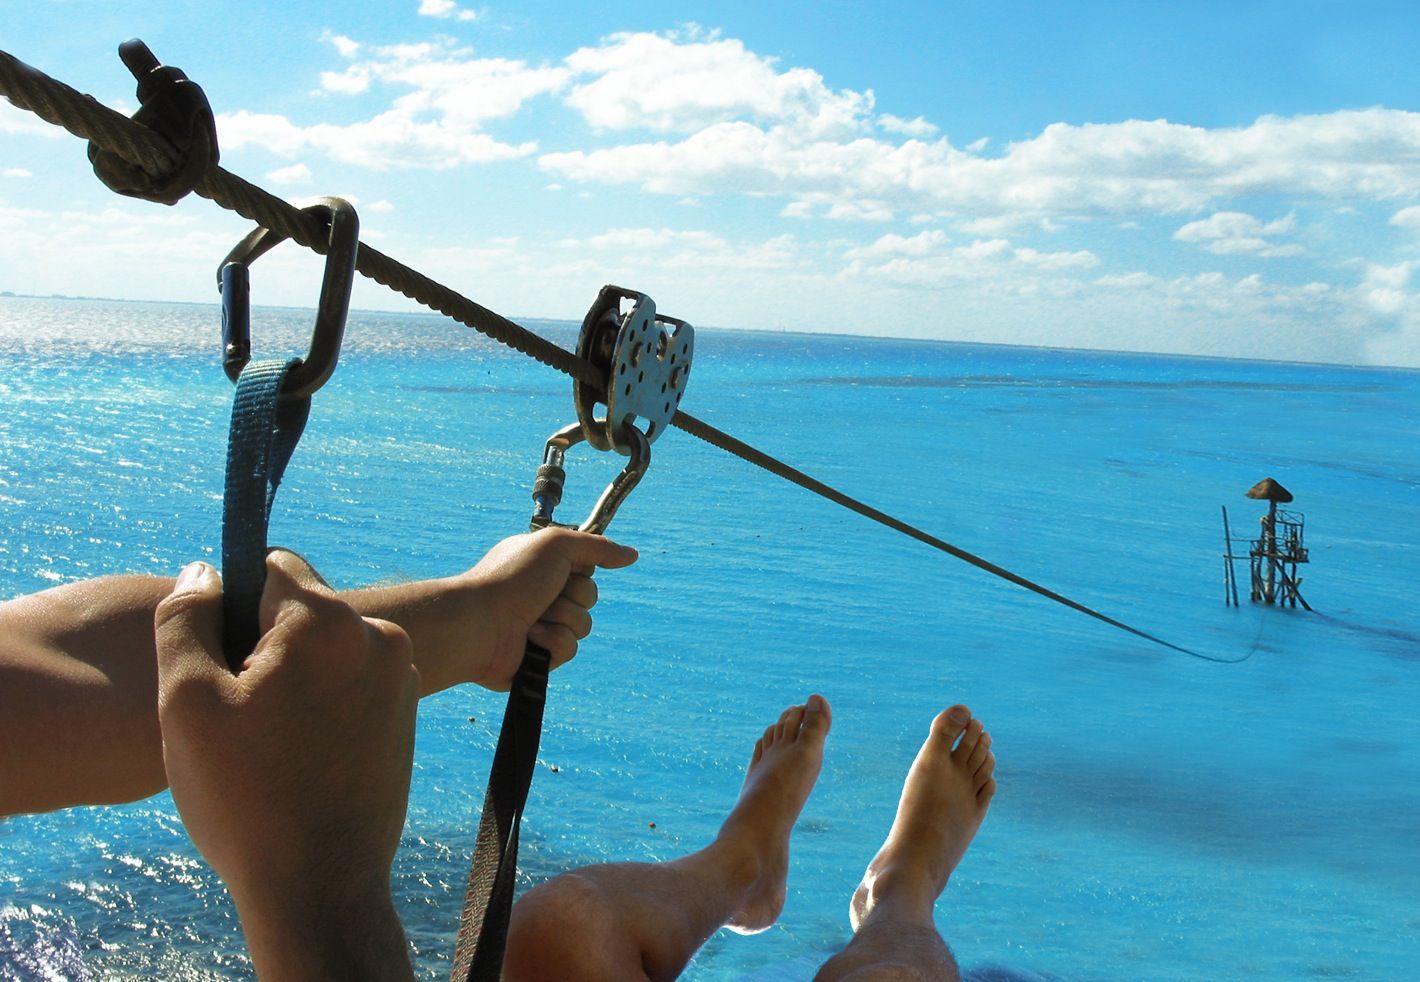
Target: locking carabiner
pixel 234 283
pixel 547 488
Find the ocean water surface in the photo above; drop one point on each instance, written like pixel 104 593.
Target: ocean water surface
pixel 1159 816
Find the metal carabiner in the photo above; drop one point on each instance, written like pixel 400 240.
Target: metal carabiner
pixel 234 283
pixel 547 489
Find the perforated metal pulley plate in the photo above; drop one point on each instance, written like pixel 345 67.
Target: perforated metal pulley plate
pixel 646 358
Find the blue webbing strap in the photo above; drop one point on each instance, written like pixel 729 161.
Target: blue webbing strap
pixel 265 429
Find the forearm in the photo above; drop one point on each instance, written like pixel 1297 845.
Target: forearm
pixel 78 680
pixel 308 942
pixel 446 621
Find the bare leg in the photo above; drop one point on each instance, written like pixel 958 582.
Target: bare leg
pixel 943 802
pixel 645 920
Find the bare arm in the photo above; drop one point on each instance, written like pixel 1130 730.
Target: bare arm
pixel 78 671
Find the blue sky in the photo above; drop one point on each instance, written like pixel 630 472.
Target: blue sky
pixel 1237 179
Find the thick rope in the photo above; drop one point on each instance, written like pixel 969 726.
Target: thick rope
pixel 86 118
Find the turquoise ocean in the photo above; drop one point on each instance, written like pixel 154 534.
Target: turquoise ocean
pixel 1159 816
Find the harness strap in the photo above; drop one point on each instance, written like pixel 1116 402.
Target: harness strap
pixel 488 899
pixel 265 430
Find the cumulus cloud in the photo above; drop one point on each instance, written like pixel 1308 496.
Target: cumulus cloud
pixel 347 47
pixel 929 259
pixel 445 10
pixel 16 172
pixel 1079 259
pixel 892 244
pixel 1067 171
pixel 837 208
pixel 917 127
pixel 295 174
pixel 1234 232
pixel 667 248
pixel 1407 217
pixel 686 81
pixel 446 98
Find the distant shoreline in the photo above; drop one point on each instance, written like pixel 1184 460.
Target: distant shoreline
pixel 775 332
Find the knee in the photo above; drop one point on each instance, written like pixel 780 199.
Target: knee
pixel 564 929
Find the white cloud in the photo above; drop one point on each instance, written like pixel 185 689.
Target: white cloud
pixel 928 260
pixel 983 248
pixel 347 47
pixel 295 174
pixel 891 244
pixel 687 249
pixel 1407 217
pixel 16 172
pixel 623 239
pixel 1079 259
pixel 446 98
pixel 445 10
pixel 837 208
pixel 1383 289
pixel 684 82
pixel 1006 224
pixel 1235 232
pixel 352 81
pixel 1067 171
pixel 918 127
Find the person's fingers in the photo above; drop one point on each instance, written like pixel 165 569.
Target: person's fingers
pixel 300 569
pixel 187 627
pixel 388 644
pixel 570 615
pixel 584 550
pixel 293 576
pixel 557 639
pixel 581 589
pixel 300 613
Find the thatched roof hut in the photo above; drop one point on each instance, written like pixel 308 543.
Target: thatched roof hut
pixel 1269 490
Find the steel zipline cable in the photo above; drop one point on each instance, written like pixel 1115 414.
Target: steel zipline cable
pixel 85 117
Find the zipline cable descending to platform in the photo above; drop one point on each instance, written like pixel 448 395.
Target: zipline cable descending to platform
pixel 88 119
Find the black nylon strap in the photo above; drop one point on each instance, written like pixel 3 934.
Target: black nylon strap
pixel 265 430
pixel 488 900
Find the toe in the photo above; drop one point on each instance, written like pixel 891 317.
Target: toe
pixel 950 723
pixel 987 790
pixel 817 718
pixel 770 733
pixel 985 770
pixel 968 741
pixel 758 752
pixel 979 753
pixel 790 721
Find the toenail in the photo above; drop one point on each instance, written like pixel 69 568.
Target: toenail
pixel 959 716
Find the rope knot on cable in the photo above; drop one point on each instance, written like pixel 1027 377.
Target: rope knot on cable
pixel 176 110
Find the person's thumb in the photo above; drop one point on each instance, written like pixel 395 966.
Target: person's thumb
pixel 187 627
pixel 585 551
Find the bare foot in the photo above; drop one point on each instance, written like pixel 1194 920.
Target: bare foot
pixel 944 799
pixel 782 772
